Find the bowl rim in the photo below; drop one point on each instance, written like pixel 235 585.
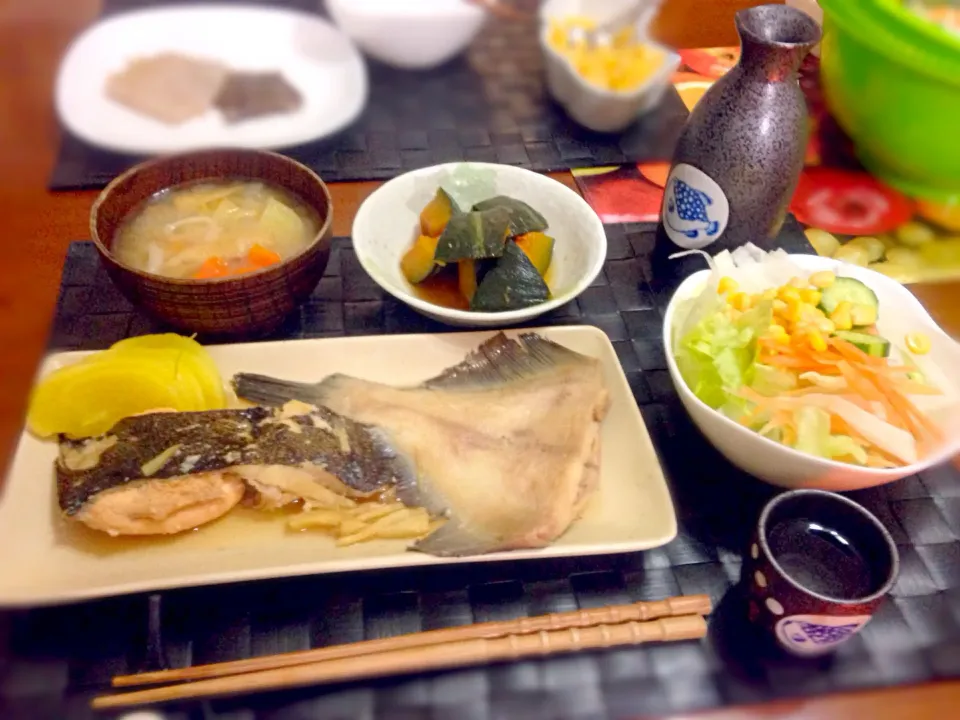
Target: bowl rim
pixel 468 316
pixel 408 11
pixel 682 293
pixel 104 196
pixel 763 538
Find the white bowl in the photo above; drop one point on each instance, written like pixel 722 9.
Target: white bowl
pixel 388 222
pixel 412 34
pixel 900 313
pixel 594 107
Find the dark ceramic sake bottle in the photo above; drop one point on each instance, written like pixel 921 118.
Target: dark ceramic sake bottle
pixel 740 153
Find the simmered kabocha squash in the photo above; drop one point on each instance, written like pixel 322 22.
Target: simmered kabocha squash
pixel 418 262
pixel 523 218
pixel 437 213
pixel 467 278
pixel 492 257
pixel 539 248
pixel 513 284
pixel 474 235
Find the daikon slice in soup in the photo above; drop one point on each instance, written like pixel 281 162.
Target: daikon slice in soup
pixel 215 229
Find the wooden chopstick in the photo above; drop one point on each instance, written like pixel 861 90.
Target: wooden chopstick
pixel 641 611
pixel 421 658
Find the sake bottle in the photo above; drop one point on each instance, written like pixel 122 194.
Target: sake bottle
pixel 740 153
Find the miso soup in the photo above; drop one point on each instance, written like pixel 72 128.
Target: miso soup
pixel 214 229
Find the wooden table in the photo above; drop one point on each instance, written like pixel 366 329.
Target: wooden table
pixel 38 226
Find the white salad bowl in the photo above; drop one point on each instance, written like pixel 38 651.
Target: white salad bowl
pixel 594 107
pixel 899 313
pixel 412 35
pixel 388 222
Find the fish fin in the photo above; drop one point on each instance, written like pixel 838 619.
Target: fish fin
pixel 713 228
pixel 453 540
pixel 266 390
pixel 501 359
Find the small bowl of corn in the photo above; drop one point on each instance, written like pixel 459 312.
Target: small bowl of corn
pixel 604 86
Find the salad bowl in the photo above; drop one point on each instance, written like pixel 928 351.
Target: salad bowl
pixel 899 314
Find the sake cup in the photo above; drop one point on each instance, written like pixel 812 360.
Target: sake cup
pixel 817 568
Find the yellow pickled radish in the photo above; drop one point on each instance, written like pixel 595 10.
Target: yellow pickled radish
pixel 918 343
pixel 133 376
pixel 89 398
pixel 190 355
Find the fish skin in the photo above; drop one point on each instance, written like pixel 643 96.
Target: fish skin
pixel 507 478
pixel 219 440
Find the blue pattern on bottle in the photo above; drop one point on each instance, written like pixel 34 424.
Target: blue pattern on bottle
pixel 690 205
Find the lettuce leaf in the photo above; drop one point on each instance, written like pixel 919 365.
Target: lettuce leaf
pixel 718 355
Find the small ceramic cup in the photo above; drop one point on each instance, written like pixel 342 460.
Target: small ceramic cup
pixel 818 566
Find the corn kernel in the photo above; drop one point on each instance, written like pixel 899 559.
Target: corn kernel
pixel 810 313
pixel 810 296
pixel 793 311
pixel 779 306
pixel 770 294
pixel 779 334
pixel 841 316
pixel 918 343
pixel 797 282
pixel 816 341
pixel 826 326
pixel 739 300
pixel 822 279
pixel 788 293
pixel 727 284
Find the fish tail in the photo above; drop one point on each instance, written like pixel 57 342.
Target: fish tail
pixel 452 540
pixel 266 390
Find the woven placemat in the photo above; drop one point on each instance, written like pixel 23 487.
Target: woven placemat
pixel 53 660
pixel 488 105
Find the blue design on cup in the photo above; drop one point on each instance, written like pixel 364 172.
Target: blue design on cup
pixel 802 632
pixel 690 205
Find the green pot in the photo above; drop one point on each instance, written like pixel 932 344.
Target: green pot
pixel 892 81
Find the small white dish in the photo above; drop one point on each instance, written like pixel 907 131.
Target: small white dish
pixel 900 313
pixel 594 107
pixel 47 560
pixel 315 57
pixel 388 221
pixel 415 34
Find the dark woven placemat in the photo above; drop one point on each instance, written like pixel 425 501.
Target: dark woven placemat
pixel 490 105
pixel 53 660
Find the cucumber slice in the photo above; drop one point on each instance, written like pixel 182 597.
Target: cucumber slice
pixel 852 291
pixel 870 344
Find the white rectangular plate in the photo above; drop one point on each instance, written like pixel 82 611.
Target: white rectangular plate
pixel 47 559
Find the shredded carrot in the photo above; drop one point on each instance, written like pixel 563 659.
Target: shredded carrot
pixel 851 352
pixel 871 392
pixel 788 362
pixel 919 424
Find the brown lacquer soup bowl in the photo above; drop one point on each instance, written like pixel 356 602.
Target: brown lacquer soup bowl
pixel 248 305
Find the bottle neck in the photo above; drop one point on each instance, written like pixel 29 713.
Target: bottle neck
pixel 774 39
pixel 775 62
